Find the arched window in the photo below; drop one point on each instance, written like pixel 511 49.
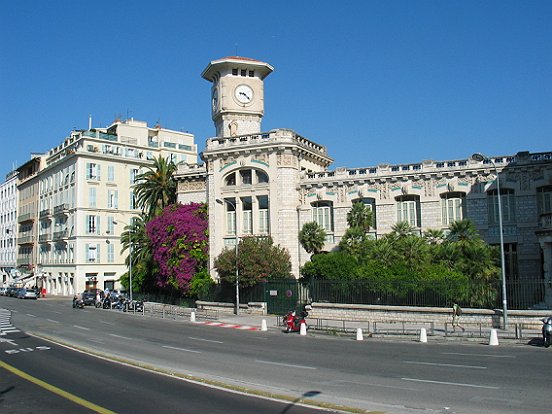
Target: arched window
pixel 408 210
pixel 453 207
pixel 370 203
pixel 322 213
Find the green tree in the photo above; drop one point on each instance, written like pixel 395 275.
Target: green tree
pixel 155 188
pixel 434 236
pixel 360 216
pixel 143 265
pixel 312 237
pixel 258 260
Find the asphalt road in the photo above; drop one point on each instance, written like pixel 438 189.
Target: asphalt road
pixel 385 375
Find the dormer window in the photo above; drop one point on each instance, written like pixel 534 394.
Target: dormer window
pixel 251 73
pixel 235 72
pixel 243 72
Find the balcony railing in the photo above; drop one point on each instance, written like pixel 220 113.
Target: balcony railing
pixel 25 239
pixel 61 208
pixel 545 221
pixel 25 217
pixel 44 237
pixel 60 234
pixel 45 213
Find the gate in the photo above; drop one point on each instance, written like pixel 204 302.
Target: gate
pixel 284 296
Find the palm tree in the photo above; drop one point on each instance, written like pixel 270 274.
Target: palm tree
pixel 312 237
pixel 155 188
pixel 402 229
pixel 463 231
pixel 360 216
pixel 434 236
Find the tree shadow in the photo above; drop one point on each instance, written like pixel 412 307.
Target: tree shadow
pixel 306 394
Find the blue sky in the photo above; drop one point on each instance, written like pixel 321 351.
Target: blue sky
pixel 374 81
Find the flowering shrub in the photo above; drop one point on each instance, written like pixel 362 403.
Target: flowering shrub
pixel 179 241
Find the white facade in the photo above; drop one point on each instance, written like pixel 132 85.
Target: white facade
pixel 8 227
pixel 275 182
pixel 84 198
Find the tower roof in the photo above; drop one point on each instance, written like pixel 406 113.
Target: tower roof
pixel 215 66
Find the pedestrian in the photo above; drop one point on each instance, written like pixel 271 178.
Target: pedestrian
pixel 456 313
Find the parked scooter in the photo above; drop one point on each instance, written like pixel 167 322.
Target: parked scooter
pixel 293 322
pixel 547 331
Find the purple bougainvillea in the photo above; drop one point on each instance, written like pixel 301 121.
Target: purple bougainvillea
pixel 179 243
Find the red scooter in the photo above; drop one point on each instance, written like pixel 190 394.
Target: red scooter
pixel 293 322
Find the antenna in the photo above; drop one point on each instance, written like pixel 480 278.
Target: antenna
pixel 89 122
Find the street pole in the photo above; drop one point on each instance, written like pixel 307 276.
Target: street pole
pixel 481 157
pixel 130 264
pixel 220 201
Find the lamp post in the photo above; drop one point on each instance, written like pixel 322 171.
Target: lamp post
pixel 481 157
pixel 219 201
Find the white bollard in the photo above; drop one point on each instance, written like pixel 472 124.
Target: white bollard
pixel 423 335
pixel 359 336
pixel 303 329
pixel 192 316
pixel 493 338
pixel 263 325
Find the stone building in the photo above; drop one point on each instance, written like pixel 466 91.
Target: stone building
pixel 273 182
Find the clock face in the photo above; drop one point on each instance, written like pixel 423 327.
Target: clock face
pixel 244 94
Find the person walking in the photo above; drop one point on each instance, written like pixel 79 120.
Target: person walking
pixel 456 313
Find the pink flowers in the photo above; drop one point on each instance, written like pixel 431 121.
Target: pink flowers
pixel 179 241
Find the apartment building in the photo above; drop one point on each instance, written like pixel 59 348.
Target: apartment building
pixel 8 220
pixel 76 200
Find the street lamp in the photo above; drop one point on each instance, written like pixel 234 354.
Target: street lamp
pixel 481 157
pixel 219 201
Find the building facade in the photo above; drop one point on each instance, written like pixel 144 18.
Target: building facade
pixel 272 183
pixel 8 220
pixel 76 200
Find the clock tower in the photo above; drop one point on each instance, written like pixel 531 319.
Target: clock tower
pixel 237 94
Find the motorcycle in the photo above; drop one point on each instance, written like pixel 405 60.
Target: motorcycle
pixel 547 331
pixel 293 322
pixel 78 303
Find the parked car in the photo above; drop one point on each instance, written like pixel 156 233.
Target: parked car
pixel 24 293
pixel 89 296
pixel 3 291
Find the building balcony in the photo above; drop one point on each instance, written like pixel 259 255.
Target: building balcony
pixel 62 234
pixel 23 261
pixel 44 237
pixel 25 217
pixel 45 213
pixel 545 221
pixel 25 239
pixel 61 209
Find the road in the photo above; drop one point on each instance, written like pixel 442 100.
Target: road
pixel 389 376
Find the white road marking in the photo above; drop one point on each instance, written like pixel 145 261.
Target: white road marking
pixel 81 327
pixel 283 364
pixel 444 365
pixel 108 323
pixel 205 340
pixel 478 355
pixel 51 320
pixel 456 384
pixel 120 336
pixel 32 316
pixel 181 349
pixel 59 313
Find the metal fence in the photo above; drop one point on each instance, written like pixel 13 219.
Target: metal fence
pixel 282 296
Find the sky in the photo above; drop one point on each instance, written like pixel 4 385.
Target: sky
pixel 373 81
